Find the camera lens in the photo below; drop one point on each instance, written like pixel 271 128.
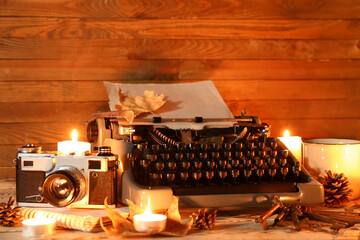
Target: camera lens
pixel 63 187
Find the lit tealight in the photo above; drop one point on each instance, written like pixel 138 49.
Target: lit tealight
pixel 149 222
pixel 73 146
pixel 38 227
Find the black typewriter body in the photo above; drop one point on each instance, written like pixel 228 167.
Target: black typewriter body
pixel 224 165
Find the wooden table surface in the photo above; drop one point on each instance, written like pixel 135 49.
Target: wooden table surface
pixel 229 225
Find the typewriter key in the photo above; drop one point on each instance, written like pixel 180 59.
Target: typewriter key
pixel 222 174
pixel 261 145
pixel 203 146
pixel 222 163
pixel 209 175
pixel 285 153
pixel 261 153
pixel 144 163
pixel 271 161
pixel 258 162
pixel 284 171
pixel 169 177
pixel 234 175
pixel 155 148
pixel 215 155
pixel 170 165
pixel 184 163
pixel 178 156
pixel 197 164
pixel 179 146
pixel 282 162
pixel 272 172
pixel 210 164
pixel 272 143
pixel 250 154
pixel 227 146
pixel 159 165
pixel 249 145
pixel 203 155
pixel 238 146
pixel 234 163
pixel 184 177
pixel 272 153
pixel 164 156
pixel 247 173
pixel 246 162
pixel 190 156
pixel 141 147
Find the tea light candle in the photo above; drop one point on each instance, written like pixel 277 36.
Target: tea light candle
pixel 38 227
pixel 293 143
pixel 73 146
pixel 149 222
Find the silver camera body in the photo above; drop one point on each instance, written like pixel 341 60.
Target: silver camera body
pixel 45 179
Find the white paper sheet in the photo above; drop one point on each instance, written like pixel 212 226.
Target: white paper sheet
pixel 183 100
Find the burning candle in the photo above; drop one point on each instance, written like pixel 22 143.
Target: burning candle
pixel 149 222
pixel 38 227
pixel 73 146
pixel 293 143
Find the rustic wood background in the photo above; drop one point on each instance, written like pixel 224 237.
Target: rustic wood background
pixel 293 63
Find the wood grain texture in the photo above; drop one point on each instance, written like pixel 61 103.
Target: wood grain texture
pixel 38 133
pixel 298 109
pixel 62 112
pixel 22 112
pixel 142 49
pixel 7 172
pixel 274 9
pixel 170 70
pixel 89 28
pixel 77 91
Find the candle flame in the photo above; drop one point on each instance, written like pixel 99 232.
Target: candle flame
pixel 286 133
pixel 147 209
pixel 74 136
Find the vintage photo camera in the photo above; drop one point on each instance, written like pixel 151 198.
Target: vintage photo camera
pixel 46 179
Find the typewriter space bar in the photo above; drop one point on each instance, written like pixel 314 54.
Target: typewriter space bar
pixel 238 189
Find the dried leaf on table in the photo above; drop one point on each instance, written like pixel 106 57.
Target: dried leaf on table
pixel 120 223
pixel 149 102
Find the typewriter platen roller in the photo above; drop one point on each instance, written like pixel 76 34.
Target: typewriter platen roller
pixel 205 162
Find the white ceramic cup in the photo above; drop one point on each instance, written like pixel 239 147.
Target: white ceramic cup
pixel 337 155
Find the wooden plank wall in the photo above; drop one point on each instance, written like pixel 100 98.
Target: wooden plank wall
pixel 293 63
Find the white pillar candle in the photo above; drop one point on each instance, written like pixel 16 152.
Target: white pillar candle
pixel 149 222
pixel 73 146
pixel 38 227
pixel 293 143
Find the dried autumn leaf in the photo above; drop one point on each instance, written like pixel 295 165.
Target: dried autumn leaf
pixel 149 102
pixel 119 222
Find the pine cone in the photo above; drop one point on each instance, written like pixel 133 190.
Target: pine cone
pixel 204 219
pixel 336 186
pixel 9 214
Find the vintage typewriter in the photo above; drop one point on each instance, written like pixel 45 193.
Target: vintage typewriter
pixel 204 162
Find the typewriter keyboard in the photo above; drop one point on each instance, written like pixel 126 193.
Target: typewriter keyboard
pixel 243 167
